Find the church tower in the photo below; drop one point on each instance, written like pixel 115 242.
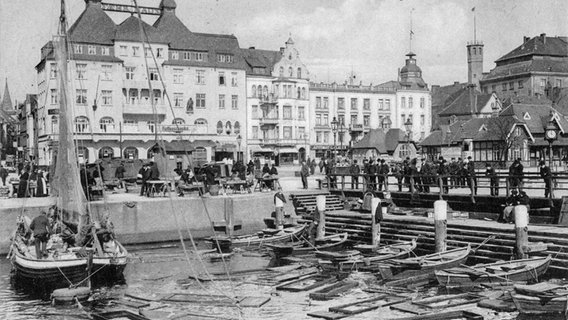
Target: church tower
pixel 474 62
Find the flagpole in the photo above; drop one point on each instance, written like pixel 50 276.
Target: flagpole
pixel 474 26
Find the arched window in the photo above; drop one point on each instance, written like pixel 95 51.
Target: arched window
pixel 54 124
pixel 178 121
pixel 290 72
pixel 106 124
pixel 228 127
pixel 303 93
pixel 131 153
pixel 254 91
pixel 265 92
pixel 200 122
pixel 237 127
pixel 81 124
pixel 299 93
pixel 106 153
pixel 281 71
pixel 219 127
pixel 299 75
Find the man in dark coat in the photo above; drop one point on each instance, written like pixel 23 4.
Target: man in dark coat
pixel 304 173
pixel 493 180
pixel 354 170
pixel 119 174
pixel 3 175
pixel 145 172
pixel 442 172
pixel 23 187
pixel 470 175
pixel 383 175
pixel 372 172
pixel 546 175
pixel 40 229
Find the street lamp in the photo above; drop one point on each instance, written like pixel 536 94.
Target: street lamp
pixel 551 134
pixel 341 133
pixel 334 130
pixel 408 127
pixel 239 140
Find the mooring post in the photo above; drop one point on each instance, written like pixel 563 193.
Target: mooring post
pixel 229 219
pixel 521 230
pixel 440 223
pixel 321 211
pixel 375 225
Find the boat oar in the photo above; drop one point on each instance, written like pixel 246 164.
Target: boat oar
pixel 491 237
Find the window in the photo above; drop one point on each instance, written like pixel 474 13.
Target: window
pixel 200 122
pixel 511 85
pixel 520 84
pixel 301 113
pixel 81 71
pixel 381 104
pixel 326 103
pixel 106 124
pixel 254 132
pixel 341 118
pixel 81 124
pixel 287 131
pixel 318 102
pixel 318 119
pixel 237 127
pixel 281 71
pixel 200 100
pixel 255 111
pixel 54 96
pixel 422 135
pixel 318 136
pixel 325 120
pixel 221 78
pixel 154 75
pixel 135 51
pixel 353 119
pixel 253 91
pixel 187 56
pixel 353 103
pixel 178 76
pixel 422 102
pixel 287 112
pixel 410 102
pixel 53 70
pixel 91 50
pixel 299 72
pixel 219 127
pixel 542 83
pixel 123 51
pixel 199 56
pixel 402 120
pixel 148 52
pixel 410 117
pixel 159 52
pixel 151 126
pixel 221 101
pixel 326 137
pixel 225 58
pixel 299 94
pixel 366 104
pixel 504 86
pixel 366 120
pixel 178 121
pixel 81 96
pixel 78 49
pixel 403 102
pixel 174 55
pixel 129 73
pixel 290 72
pixel 178 99
pixel 200 74
pixel 558 83
pixel 234 81
pixel 106 72
pixel 131 153
pixel 105 51
pixel 106 97
pixel 387 104
pixel 234 102
pixel 422 119
pixel 494 88
pixel 341 103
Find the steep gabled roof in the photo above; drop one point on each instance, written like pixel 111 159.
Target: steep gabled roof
pixel 177 34
pixel 539 116
pixel 539 45
pixel 260 59
pixel 374 139
pixel 129 30
pixel 461 104
pixel 93 26
pixel 393 137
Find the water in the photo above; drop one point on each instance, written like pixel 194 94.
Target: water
pixel 161 270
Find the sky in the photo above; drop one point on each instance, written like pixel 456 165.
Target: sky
pixel 334 37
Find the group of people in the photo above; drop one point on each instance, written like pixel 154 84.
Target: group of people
pixel 148 172
pixel 32 182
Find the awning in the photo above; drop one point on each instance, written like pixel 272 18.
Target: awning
pixel 257 148
pixel 204 143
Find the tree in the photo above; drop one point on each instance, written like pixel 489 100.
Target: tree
pixel 507 133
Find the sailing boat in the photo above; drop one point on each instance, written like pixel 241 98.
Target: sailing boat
pixel 83 252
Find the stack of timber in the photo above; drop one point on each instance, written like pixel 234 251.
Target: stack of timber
pixel 305 204
pixel 460 232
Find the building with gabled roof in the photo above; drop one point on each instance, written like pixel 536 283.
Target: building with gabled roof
pixel 391 144
pixel 534 68
pixel 469 103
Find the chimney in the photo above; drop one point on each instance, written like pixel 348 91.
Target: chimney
pixel 281 50
pixel 526 39
pixel 543 37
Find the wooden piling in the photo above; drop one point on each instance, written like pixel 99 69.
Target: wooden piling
pixel 521 230
pixel 229 216
pixel 320 200
pixel 440 223
pixel 375 226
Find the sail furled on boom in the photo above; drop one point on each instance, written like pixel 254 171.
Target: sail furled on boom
pixel 66 183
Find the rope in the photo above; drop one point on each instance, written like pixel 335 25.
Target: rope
pixel 92 274
pixel 70 283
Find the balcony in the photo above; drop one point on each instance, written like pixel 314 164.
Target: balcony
pixel 144 109
pixel 356 128
pixel 270 99
pixel 268 121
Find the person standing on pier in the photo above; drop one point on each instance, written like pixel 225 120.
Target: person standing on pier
pixel 3 175
pixel 383 175
pixel 516 174
pixel 443 174
pixel 546 175
pixel 304 173
pixel 493 180
pixel 372 172
pixel 355 170
pixel 470 175
pixel 119 175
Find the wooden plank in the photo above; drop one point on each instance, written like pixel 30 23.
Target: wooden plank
pixel 367 304
pixel 450 315
pixel 328 315
pixel 448 301
pixel 205 299
pixel 305 284
pixel 331 291
pixel 132 304
pixel 411 308
pixel 253 302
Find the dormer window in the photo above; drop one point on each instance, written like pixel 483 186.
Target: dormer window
pixel 483 128
pixel 526 116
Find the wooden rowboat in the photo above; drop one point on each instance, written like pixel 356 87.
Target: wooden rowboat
pixel 262 238
pixel 334 242
pixel 505 271
pixel 426 264
pixel 541 298
pixel 393 251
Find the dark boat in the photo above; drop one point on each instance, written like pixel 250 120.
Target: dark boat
pixel 505 271
pixel 334 242
pixel 426 264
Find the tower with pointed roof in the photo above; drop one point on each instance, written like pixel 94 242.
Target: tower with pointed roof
pixel 474 63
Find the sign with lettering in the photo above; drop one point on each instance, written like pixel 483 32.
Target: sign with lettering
pixel 52 111
pixel 130 9
pixel 174 128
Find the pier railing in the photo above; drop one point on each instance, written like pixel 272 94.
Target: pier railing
pixel 481 184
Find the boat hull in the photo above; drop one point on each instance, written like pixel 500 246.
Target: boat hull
pixel 331 243
pixel 256 241
pixel 449 279
pixel 535 305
